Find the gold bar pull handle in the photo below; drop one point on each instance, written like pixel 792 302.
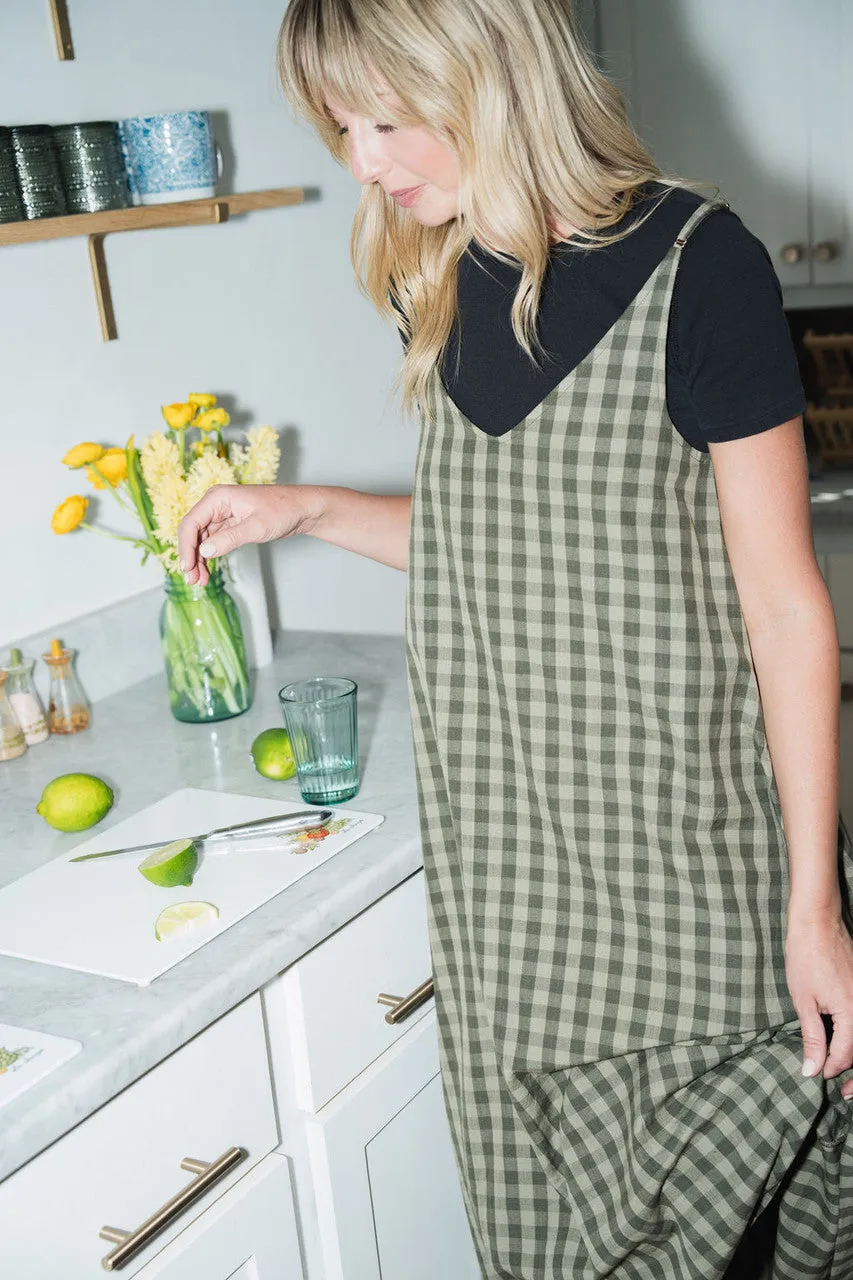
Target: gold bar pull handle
pixel 402 1006
pixel 129 1243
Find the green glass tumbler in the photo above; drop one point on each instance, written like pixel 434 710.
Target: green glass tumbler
pixel 320 716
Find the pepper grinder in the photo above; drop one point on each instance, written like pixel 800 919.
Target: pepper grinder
pixel 12 740
pixel 67 710
pixel 26 703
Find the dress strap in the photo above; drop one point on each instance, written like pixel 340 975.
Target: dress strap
pixel 698 216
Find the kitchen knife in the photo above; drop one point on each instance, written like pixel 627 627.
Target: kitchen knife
pixel 280 824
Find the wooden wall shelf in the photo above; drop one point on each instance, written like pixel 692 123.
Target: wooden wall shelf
pixel 183 213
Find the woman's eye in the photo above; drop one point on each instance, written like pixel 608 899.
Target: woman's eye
pixel 380 128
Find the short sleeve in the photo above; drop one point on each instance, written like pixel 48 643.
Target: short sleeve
pixel 737 370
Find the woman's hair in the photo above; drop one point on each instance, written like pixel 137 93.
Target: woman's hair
pixel 541 134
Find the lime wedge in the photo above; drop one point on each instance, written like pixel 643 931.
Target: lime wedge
pixel 181 917
pixel 172 865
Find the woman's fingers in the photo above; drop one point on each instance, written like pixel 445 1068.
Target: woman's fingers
pixel 230 535
pixel 840 1048
pixel 814 1041
pixel 214 506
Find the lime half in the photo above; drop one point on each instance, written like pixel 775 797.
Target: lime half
pixel 183 917
pixel 172 865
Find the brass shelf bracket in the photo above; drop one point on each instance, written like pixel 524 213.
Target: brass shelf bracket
pixel 101 280
pixel 62 30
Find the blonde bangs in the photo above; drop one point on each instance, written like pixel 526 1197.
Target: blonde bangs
pixel 542 136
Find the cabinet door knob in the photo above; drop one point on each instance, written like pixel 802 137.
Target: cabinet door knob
pixel 825 251
pixel 129 1243
pixel 792 253
pixel 402 1006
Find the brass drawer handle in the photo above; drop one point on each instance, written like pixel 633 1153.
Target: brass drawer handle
pixel 130 1242
pixel 402 1006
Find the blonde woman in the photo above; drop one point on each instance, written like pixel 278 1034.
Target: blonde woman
pixel 639 930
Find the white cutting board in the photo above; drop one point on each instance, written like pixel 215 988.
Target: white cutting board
pixel 99 916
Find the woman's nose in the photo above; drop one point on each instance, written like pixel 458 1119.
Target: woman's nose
pixel 366 159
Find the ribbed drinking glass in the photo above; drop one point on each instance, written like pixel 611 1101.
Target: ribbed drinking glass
pixel 321 718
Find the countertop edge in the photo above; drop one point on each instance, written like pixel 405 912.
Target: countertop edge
pixel 47 1113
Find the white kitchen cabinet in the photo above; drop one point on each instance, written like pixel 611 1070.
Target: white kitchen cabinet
pixel 388 1200
pixel 248 1234
pixel 360 1104
pixel 324 1008
pixel 757 100
pixel 119 1166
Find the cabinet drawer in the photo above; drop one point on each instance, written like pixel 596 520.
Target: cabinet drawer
pixel 323 1011
pixel 119 1166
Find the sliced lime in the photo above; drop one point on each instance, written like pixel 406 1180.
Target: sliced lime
pixel 181 917
pixel 172 865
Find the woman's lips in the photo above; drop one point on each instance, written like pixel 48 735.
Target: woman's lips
pixel 408 196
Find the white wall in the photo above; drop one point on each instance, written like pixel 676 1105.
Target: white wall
pixel 263 311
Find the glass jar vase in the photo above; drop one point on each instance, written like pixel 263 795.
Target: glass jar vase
pixel 203 651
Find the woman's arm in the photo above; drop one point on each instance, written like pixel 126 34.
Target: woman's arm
pixel 763 491
pixel 372 524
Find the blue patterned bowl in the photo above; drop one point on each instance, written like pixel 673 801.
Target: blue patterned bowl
pixel 169 157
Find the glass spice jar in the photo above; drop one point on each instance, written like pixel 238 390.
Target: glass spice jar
pixel 67 710
pixel 25 701
pixel 12 740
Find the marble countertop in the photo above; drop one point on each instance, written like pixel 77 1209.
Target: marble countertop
pixel 144 754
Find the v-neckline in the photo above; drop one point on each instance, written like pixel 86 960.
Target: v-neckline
pixel 556 390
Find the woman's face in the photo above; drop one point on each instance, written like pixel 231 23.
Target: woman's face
pixel 409 162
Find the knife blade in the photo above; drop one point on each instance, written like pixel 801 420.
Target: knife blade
pixel 279 824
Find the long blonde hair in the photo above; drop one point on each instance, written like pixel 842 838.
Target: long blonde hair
pixel 541 134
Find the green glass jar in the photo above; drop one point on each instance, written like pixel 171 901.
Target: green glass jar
pixel 203 651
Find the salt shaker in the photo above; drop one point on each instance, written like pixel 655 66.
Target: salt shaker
pixel 24 699
pixel 12 740
pixel 67 710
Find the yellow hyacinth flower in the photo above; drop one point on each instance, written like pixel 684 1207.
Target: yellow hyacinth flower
pixel 178 416
pixel 202 399
pixel 112 466
pixel 83 453
pixel 69 514
pixel 211 420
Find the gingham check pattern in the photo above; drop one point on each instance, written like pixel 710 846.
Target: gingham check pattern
pixel 603 845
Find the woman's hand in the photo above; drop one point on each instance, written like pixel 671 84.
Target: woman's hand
pixel 230 515
pixel 819 971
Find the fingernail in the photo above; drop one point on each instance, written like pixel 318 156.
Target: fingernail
pixel 207 549
pixel 809 1067
pixel 187 578
pixel 183 565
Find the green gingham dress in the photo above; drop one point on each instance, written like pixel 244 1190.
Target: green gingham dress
pixel 605 862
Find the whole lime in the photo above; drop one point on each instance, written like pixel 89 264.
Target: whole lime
pixel 75 801
pixel 273 754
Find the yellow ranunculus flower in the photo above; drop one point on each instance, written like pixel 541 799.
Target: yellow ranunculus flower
pixel 83 453
pixel 211 419
pixel 178 416
pixel 69 514
pixel 202 399
pixel 113 466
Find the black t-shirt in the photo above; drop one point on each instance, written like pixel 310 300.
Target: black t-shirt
pixel 731 369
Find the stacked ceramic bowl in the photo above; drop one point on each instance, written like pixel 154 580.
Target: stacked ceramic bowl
pixel 38 171
pixel 11 205
pixel 92 166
